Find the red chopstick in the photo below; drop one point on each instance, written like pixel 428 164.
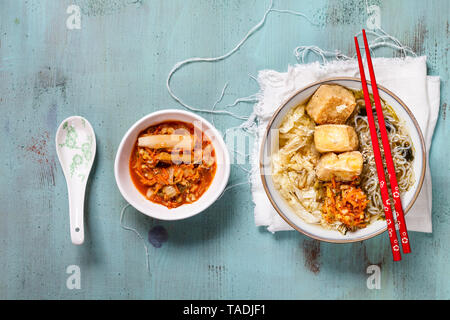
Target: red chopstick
pixel 378 161
pixel 387 154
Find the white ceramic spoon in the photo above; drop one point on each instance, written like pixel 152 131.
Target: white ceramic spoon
pixel 75 146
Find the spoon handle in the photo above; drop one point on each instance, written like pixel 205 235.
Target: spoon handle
pixel 76 209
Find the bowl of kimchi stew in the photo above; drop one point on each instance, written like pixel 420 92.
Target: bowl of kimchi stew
pixel 171 165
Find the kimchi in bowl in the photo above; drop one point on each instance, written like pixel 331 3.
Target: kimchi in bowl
pixel 167 183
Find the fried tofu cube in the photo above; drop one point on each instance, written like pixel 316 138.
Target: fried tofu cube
pixel 343 167
pixel 335 138
pixel 331 104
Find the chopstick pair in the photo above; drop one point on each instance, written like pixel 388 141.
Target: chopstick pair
pixel 388 156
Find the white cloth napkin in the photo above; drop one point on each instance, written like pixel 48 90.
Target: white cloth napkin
pixel 406 77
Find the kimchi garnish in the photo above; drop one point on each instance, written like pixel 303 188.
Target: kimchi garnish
pixel 346 203
pixel 172 163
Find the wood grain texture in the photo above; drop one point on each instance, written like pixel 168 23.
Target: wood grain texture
pixel 112 72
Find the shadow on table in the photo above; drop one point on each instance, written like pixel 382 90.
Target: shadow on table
pixel 207 225
pixel 355 258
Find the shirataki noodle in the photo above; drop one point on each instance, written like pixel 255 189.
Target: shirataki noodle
pixel 402 151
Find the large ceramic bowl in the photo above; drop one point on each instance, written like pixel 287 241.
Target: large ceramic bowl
pixel 316 231
pixel 158 211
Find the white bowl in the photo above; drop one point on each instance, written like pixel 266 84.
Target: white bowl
pixel 139 201
pixel 316 231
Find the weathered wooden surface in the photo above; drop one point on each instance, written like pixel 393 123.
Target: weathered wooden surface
pixel 113 71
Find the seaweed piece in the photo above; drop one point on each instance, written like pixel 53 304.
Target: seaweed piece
pixel 409 155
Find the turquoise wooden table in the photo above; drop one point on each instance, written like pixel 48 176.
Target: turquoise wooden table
pixel 113 71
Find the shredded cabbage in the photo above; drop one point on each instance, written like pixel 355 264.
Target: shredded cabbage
pixel 293 165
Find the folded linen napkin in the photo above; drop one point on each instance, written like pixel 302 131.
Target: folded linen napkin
pixel 406 77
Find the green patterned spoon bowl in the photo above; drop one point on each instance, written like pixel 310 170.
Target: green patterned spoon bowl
pixel 75 146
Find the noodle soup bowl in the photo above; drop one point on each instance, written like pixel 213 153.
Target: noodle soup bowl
pixel 130 192
pixel 316 231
